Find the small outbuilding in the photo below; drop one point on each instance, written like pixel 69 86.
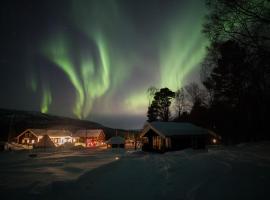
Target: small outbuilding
pixel 116 142
pixel 167 136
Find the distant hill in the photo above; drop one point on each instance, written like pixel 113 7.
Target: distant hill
pixel 13 122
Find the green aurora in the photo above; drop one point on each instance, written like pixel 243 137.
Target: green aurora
pixel 46 100
pixel 112 68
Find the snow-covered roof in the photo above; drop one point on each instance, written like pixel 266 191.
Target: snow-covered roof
pixel 50 132
pixel 55 133
pixel 89 133
pixel 116 140
pixel 173 129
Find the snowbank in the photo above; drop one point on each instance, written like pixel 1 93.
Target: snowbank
pixel 240 172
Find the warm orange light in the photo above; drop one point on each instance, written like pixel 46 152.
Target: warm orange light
pixel 214 141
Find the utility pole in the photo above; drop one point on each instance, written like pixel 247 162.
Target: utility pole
pixel 85 138
pixel 10 127
pixel 135 141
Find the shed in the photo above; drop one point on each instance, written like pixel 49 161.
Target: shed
pixel 116 142
pixel 166 136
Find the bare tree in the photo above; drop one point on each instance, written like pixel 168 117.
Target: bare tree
pixel 196 93
pixel 179 102
pixel 245 21
pixel 151 93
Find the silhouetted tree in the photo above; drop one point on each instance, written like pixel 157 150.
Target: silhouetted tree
pixel 199 114
pixel 196 93
pixel 235 92
pixel 160 106
pixel 163 98
pixel 153 111
pixel 197 96
pixel 236 69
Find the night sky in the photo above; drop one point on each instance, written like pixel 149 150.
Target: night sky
pixel 95 59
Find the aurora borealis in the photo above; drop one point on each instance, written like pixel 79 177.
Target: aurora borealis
pixel 95 59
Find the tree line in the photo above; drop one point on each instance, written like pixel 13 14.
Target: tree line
pixel 180 105
pixel 234 97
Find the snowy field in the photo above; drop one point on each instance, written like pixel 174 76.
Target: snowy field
pixel 239 172
pixel 18 170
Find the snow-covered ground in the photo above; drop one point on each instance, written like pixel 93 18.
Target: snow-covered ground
pixel 239 172
pixel 18 169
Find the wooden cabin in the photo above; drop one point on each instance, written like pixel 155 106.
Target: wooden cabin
pixel 33 136
pixel 29 136
pixel 90 137
pixel 168 136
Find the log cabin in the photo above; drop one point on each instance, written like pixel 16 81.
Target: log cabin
pixel 168 136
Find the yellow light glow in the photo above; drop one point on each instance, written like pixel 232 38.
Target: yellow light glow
pixel 117 158
pixel 214 141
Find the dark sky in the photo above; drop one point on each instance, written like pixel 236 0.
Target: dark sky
pixel 95 59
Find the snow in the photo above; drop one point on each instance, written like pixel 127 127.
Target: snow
pixel 175 128
pixel 18 170
pixel 236 172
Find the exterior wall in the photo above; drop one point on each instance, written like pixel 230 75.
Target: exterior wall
pixel 148 141
pixel 61 140
pixel 199 142
pixel 181 142
pixel 154 142
pixel 158 143
pixel 168 143
pixel 192 141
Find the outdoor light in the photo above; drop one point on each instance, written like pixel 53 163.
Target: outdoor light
pixel 214 141
pixel 117 158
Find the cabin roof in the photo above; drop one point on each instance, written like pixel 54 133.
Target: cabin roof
pixel 174 129
pixel 50 132
pixel 116 140
pixel 89 133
